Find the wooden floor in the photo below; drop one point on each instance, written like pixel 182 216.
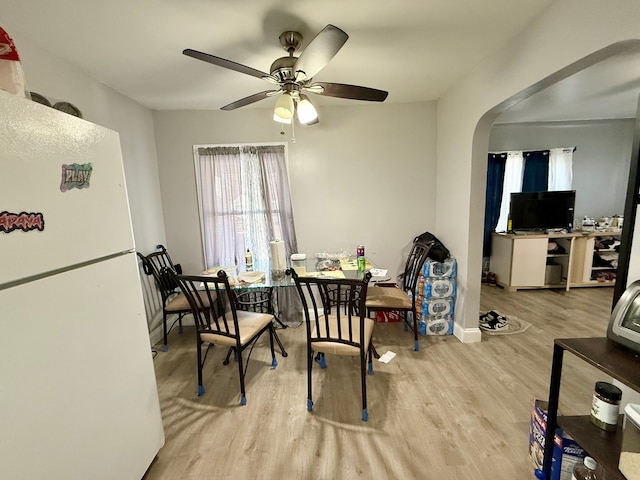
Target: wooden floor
pixel 450 411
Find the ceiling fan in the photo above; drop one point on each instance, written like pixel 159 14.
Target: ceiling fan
pixel 293 76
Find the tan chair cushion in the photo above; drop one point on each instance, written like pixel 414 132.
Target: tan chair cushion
pixel 340 348
pixel 180 303
pixel 387 298
pixel 249 323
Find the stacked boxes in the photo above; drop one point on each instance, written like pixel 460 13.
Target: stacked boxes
pixel 436 299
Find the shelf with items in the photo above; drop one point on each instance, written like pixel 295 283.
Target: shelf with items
pixel 597 259
pixel 611 359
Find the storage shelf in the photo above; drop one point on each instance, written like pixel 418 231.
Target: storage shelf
pixel 612 359
pixel 602 445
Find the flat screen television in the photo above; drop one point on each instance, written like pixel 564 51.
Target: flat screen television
pixel 542 211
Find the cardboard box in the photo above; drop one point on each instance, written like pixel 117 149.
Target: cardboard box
pixel 566 452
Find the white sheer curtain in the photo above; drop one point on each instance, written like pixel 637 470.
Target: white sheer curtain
pixel 560 168
pixel 514 169
pixel 244 203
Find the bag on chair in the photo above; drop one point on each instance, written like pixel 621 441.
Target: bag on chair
pixel 438 251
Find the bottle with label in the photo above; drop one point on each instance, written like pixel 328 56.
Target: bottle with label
pixel 509 224
pixel 586 470
pixel 248 260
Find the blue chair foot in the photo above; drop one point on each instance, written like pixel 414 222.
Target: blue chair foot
pixel 417 346
pixel 365 415
pixel 274 363
pixel 200 390
pixel 370 369
pixel 165 348
pixel 322 362
pixel 243 400
pixel 309 405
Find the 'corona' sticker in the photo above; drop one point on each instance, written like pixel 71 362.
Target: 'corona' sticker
pixel 21 221
pixel 75 176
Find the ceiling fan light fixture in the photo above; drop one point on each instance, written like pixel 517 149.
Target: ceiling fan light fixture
pixel 281 120
pixel 306 111
pixel 284 108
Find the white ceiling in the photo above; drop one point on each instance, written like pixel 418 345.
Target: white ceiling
pixel 414 49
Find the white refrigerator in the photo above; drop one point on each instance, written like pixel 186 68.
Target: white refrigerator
pixel 78 394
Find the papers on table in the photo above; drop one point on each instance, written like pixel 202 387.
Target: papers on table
pixel 326 274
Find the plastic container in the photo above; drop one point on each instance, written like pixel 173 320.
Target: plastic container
pixel 605 407
pixel 629 464
pixel 586 470
pixel 299 263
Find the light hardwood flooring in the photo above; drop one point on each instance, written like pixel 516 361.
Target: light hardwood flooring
pixel 449 411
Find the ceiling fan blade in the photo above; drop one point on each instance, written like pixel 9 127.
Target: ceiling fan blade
pixel 354 92
pixel 221 62
pixel 249 100
pixel 320 50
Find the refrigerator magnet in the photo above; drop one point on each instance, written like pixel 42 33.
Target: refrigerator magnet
pixel 75 176
pixel 21 221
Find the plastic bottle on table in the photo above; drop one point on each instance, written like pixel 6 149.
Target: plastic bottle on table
pixel 586 470
pixel 248 260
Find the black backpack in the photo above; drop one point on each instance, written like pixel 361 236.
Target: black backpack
pixel 438 251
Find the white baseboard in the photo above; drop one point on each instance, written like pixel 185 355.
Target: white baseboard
pixel 467 335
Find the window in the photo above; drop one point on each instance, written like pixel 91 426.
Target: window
pixel 244 200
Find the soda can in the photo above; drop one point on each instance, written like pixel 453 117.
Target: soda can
pixel 360 251
pixel 361 263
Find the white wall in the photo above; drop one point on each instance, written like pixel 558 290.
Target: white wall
pixel 600 162
pixel 565 33
pixel 364 175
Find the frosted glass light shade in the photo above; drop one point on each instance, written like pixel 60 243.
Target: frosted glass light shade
pixel 284 107
pixel 306 111
pixel 281 120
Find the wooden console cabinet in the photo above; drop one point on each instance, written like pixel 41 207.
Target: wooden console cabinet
pixel 612 359
pixel 524 261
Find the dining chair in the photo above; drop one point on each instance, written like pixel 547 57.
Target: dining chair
pixel 174 302
pixel 336 324
pixel 218 321
pixel 388 297
pixel 260 299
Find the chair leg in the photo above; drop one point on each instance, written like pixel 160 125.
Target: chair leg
pixel 282 350
pixel 165 347
pixel 370 362
pixel 309 367
pixel 321 360
pixel 363 379
pixel 199 359
pixel 415 332
pixel 274 362
pixel 180 315
pixel 226 359
pixel 243 398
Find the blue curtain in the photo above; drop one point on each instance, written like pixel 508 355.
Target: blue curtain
pixel 495 182
pixel 535 177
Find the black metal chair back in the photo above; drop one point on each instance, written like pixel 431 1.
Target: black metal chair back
pixel 159 264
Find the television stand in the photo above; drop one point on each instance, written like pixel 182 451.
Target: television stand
pixel 526 261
